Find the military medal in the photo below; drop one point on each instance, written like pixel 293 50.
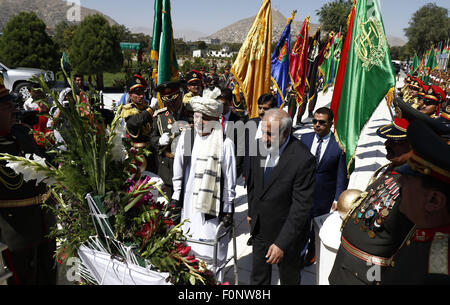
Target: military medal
pixel 371 234
pixel 170 123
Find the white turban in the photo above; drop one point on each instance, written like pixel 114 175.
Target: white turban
pixel 207 104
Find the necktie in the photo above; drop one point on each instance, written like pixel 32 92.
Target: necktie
pixel 318 151
pixel 268 170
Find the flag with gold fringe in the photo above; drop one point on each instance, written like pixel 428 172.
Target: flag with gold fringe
pixel 251 68
pixel 364 77
pixel 163 49
pixel 298 61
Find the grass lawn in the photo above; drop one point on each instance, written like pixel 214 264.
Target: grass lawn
pixel 108 78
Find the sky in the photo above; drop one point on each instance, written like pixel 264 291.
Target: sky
pixel 209 16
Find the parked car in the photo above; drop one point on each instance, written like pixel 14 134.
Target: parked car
pixel 396 66
pixel 18 79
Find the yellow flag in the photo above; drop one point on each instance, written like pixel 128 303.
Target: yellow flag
pixel 252 65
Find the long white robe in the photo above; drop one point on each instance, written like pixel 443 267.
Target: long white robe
pixel 198 227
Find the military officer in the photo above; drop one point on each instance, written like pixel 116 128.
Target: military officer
pixel 138 116
pixel 425 180
pixel 168 124
pixel 24 225
pixel 194 85
pixel 226 78
pixel 374 229
pixel 432 101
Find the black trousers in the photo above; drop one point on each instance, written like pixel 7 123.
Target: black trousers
pixel 289 268
pixel 32 266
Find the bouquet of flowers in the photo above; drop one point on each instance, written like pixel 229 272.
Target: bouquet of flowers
pixel 98 192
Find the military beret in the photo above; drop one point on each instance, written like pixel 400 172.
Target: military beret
pixel 429 153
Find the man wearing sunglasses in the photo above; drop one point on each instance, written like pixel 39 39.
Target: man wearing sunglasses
pixel 331 170
pixel 432 101
pixel 168 124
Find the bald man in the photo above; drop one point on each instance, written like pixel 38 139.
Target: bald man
pixel 280 195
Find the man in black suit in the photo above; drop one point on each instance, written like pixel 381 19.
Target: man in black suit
pixel 331 170
pixel 280 193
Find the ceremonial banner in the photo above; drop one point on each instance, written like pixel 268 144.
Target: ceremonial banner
pixel 252 65
pixel 336 57
pixel 280 63
pixel 163 48
pixel 415 65
pixel 430 66
pixel 298 61
pixel 365 76
pixel 312 71
pixel 325 68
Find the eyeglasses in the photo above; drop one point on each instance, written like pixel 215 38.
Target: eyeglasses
pixel 321 122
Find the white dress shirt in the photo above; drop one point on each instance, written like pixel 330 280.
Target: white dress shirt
pixel 315 144
pixel 272 160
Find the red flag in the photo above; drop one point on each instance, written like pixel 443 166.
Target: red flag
pixel 343 64
pixel 298 60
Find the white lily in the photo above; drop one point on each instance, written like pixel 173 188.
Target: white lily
pixel 31 169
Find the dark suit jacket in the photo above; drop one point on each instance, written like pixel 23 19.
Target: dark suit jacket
pixel 331 175
pixel 249 139
pixel 280 209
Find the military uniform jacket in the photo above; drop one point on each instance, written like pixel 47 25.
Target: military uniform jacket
pixel 423 259
pixel 374 227
pixel 138 123
pixel 27 226
pixel 164 121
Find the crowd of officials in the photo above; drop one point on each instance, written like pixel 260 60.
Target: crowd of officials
pixel 202 142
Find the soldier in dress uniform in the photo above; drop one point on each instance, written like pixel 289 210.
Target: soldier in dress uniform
pixel 194 85
pixel 432 101
pixel 425 180
pixel 226 79
pixel 374 229
pixel 168 124
pixel 138 116
pixel 24 225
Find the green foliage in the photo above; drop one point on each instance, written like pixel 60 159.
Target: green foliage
pixel 96 47
pixel 428 25
pixel 333 16
pixel 64 33
pixel 401 53
pixel 25 43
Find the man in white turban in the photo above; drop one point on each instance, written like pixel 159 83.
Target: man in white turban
pixel 204 178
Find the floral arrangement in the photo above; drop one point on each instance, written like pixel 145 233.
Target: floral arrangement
pixel 96 158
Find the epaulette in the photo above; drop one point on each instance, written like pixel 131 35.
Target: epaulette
pixel 159 111
pixel 129 110
pixel 438 258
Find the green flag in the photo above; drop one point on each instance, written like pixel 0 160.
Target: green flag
pixel 429 66
pixel 326 66
pixel 365 76
pixel 163 48
pixel 415 64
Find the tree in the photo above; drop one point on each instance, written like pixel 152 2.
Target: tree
pixel 333 16
pixel 64 33
pixel 202 45
pixel 96 48
pixel 429 25
pixel 25 43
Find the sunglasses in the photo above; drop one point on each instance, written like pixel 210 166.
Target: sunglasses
pixel 321 122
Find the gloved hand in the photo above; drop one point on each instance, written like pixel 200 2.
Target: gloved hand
pixel 164 139
pixel 227 219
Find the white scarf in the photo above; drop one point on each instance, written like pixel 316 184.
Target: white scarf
pixel 208 173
